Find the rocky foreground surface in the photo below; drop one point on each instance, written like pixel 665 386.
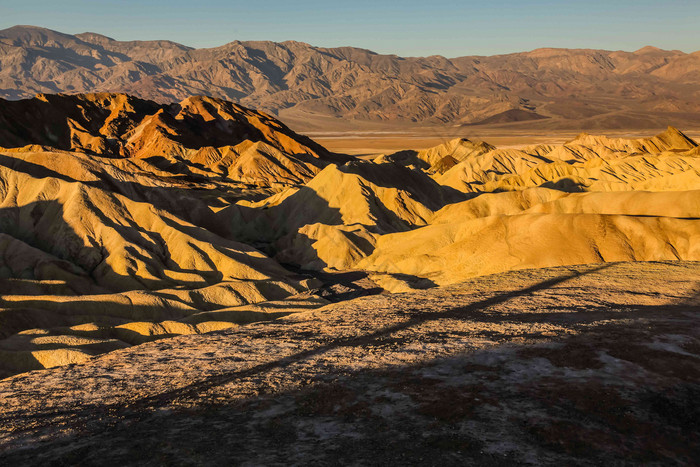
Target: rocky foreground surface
pixel 592 364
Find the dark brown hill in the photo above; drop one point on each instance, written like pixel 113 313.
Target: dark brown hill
pixel 512 115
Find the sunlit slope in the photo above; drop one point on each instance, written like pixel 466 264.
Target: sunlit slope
pixel 440 158
pixel 334 219
pixel 117 242
pixel 594 199
pixel 211 136
pixel 665 162
pixel 682 204
pixel 97 254
pixel 452 252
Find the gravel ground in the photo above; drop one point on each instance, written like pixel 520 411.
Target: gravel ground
pixel 584 365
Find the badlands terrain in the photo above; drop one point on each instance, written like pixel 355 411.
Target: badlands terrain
pixel 173 270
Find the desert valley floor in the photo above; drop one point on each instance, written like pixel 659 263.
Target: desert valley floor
pixel 199 281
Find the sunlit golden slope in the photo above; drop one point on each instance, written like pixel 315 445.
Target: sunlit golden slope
pixel 440 158
pixel 211 134
pixel 452 252
pixel 334 219
pixel 588 163
pixel 632 209
pixel 117 242
pixel 109 233
pixel 593 199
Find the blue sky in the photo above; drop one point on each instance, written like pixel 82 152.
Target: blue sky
pixel 409 28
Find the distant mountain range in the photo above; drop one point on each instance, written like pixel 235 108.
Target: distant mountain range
pixel 544 88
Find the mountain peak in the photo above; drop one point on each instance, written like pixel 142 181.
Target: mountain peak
pixel 119 125
pixel 647 49
pixel 94 37
pixel 676 138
